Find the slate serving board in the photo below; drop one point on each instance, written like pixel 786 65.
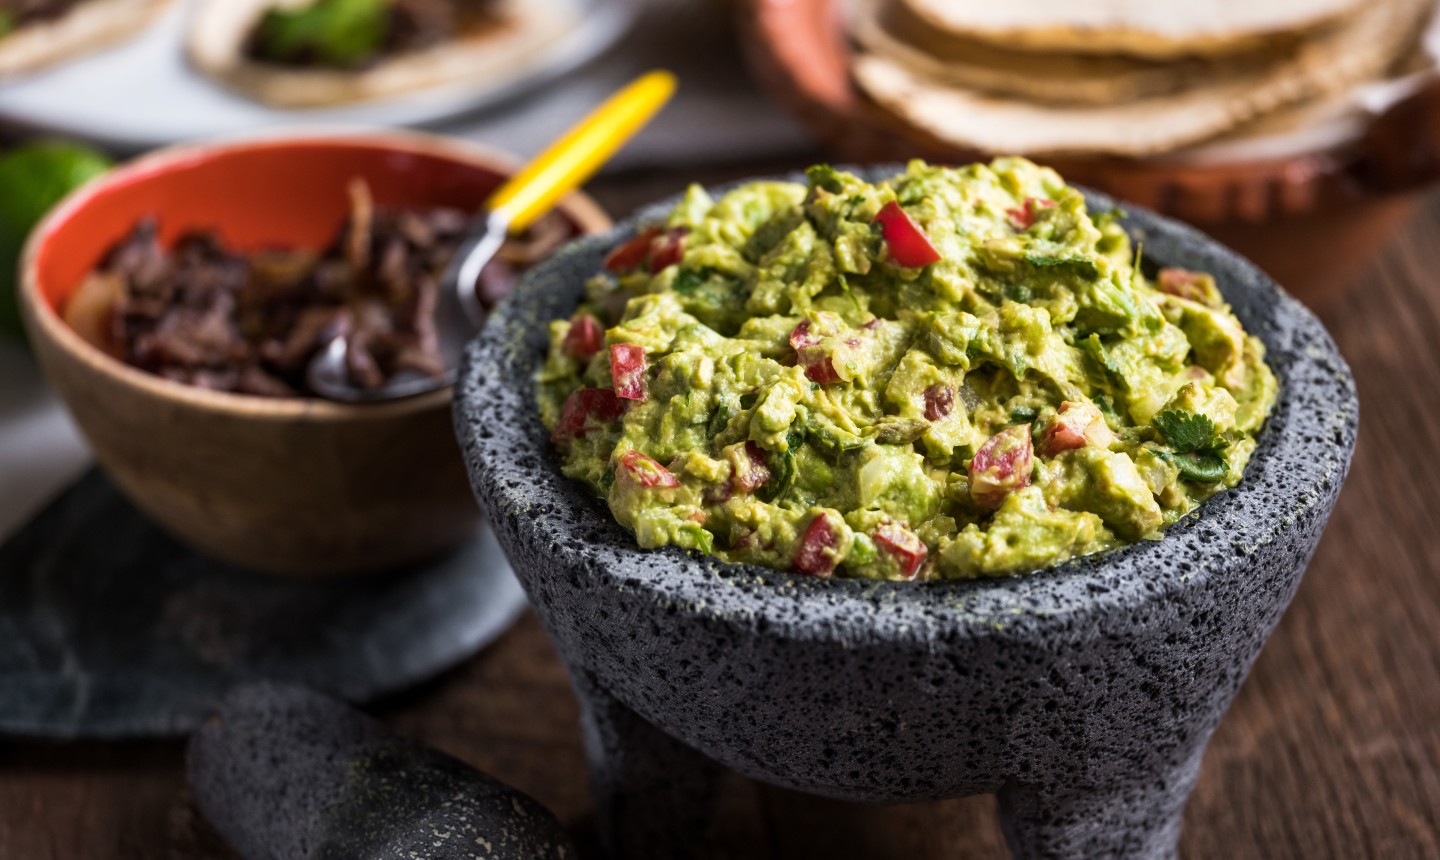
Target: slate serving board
pixel 110 628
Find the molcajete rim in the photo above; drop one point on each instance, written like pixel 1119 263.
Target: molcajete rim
pixel 1296 469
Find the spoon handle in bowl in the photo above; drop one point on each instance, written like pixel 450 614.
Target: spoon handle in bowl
pixel 575 157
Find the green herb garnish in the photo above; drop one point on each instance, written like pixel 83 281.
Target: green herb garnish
pixel 688 281
pixel 1203 468
pixel 1192 436
pixel 782 466
pixel 1082 266
pixel 342 34
pixel 1185 432
pixel 825 177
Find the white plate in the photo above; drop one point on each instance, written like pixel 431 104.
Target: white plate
pixel 143 94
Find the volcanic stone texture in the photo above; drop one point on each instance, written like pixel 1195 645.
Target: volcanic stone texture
pixel 284 773
pixel 1083 695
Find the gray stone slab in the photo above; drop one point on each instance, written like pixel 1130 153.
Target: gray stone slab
pixel 110 628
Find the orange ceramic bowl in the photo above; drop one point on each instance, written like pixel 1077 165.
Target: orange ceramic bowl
pixel 295 485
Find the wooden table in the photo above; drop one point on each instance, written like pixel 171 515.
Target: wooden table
pixel 1332 749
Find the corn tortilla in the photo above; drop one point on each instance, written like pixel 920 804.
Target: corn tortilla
pixel 1341 58
pixel 892 30
pixel 1145 28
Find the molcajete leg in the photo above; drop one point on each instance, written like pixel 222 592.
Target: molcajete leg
pixel 1132 817
pixel 654 795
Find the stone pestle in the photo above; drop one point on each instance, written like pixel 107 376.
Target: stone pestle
pixel 285 773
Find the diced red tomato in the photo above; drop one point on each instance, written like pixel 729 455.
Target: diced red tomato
pixel 1185 284
pixel 802 338
pixel 908 244
pixel 669 250
pixel 642 471
pixel 584 338
pixel 819 366
pixel 1075 425
pixel 631 255
pixel 906 546
pixel 939 401
pixel 1022 218
pixel 1062 435
pixel 816 556
pixel 581 405
pixel 755 473
pixel 1001 466
pixel 750 472
pixel 652 248
pixel 627 368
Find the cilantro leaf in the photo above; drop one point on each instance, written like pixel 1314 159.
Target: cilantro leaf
pixel 689 280
pixel 1205 467
pixel 1093 347
pixel 782 466
pixel 1019 293
pixel 1186 432
pixel 826 177
pixel 1081 266
pixel 1107 409
pixel 720 419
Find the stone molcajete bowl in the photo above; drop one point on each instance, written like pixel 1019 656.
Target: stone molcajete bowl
pixel 1083 695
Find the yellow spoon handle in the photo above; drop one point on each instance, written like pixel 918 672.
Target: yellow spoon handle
pixel 575 157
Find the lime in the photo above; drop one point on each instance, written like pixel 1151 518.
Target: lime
pixel 33 178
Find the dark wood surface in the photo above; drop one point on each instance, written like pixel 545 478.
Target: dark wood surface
pixel 1332 749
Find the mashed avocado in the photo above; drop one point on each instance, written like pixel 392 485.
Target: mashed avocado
pixel 953 373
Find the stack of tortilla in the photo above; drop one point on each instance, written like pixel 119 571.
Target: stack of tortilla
pixel 1129 77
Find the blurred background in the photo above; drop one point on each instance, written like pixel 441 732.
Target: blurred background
pixel 1310 125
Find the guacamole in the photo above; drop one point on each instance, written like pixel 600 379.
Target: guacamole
pixel 956 372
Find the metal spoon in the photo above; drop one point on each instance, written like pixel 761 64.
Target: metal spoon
pixel 526 196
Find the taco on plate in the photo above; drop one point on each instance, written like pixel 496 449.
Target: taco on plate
pixel 316 53
pixel 39 33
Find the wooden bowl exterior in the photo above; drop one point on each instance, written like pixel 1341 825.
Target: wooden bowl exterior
pixel 293 485
pixel 1345 202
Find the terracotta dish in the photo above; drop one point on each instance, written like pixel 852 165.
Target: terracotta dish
pixel 296 485
pixel 1345 200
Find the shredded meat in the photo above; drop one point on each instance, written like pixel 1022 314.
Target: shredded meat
pixel 207 315
pixel 418 24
